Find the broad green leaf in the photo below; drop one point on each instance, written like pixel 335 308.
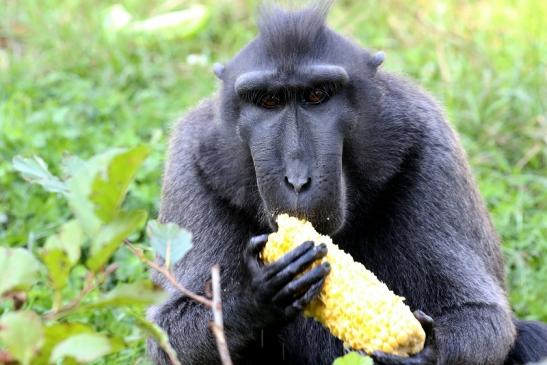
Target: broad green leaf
pixel 61 252
pixel 58 265
pixel 140 293
pixel 353 358
pixel 21 334
pixel 19 269
pixel 53 335
pixel 175 24
pixel 111 236
pixel 98 189
pixel 69 239
pixel 156 333
pixel 35 170
pixel 110 186
pixel 85 347
pixel 169 240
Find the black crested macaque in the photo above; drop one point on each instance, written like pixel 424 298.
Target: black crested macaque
pixel 306 123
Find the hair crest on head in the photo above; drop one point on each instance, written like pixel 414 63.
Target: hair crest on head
pixel 287 31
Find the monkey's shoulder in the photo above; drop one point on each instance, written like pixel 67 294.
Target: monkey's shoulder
pixel 188 132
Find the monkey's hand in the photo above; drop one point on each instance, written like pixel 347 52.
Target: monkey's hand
pixel 428 356
pixel 281 290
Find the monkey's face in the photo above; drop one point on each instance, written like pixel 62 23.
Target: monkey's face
pixel 294 126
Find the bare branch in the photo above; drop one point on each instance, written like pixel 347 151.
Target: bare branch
pixel 217 326
pixel 168 275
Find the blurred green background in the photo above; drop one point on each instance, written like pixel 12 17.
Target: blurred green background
pixel 71 83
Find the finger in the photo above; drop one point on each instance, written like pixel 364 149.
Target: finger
pixel 301 284
pixel 427 324
pixel 382 358
pixel 293 256
pixel 313 290
pixel 294 268
pixel 256 244
pixel 423 358
pixel 298 305
pixel 425 320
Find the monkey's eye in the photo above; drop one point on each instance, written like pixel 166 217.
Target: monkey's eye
pixel 315 96
pixel 270 101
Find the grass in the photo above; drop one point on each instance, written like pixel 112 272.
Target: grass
pixel 67 86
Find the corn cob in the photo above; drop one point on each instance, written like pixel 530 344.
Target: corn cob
pixel 353 304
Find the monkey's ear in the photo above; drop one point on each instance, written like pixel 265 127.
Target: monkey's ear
pixel 218 69
pixel 377 59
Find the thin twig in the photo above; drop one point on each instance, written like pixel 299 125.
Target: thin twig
pixel 168 275
pixel 89 285
pixel 217 326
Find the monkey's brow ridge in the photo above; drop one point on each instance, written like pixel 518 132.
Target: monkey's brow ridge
pixel 301 76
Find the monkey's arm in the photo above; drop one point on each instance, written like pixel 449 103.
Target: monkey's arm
pixel 474 334
pixel 218 237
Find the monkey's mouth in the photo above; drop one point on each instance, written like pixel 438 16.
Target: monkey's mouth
pixel 324 224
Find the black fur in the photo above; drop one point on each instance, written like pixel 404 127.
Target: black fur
pixel 389 182
pixel 531 343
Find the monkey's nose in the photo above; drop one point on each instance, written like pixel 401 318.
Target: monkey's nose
pixel 298 183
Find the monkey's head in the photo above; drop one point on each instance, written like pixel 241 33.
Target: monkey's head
pixel 290 98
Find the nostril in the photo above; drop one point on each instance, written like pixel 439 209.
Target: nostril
pixel 298 184
pixel 306 184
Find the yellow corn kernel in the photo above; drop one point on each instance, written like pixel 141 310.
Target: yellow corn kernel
pixel 354 305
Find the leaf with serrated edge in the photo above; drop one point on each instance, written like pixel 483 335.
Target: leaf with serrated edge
pixel 86 347
pixel 19 269
pixel 111 236
pixel 35 170
pixel 21 335
pixel 97 191
pixel 169 240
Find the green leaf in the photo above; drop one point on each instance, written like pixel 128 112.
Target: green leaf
pixel 19 269
pixel 155 332
pixel 58 266
pixel 140 293
pixel 169 240
pixel 21 334
pixel 69 239
pixel 98 189
pixel 35 170
pixel 85 347
pixel 111 236
pixel 61 252
pixel 54 334
pixel 353 358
